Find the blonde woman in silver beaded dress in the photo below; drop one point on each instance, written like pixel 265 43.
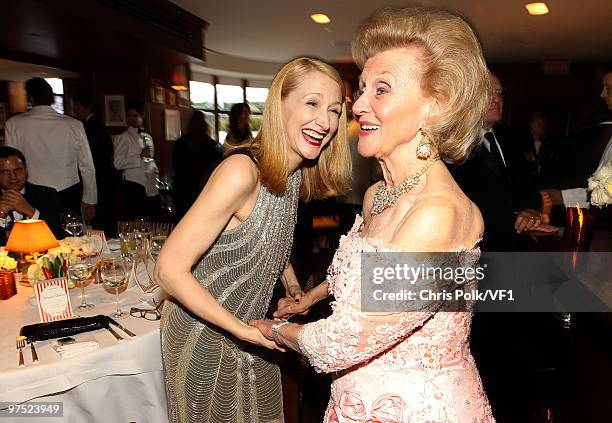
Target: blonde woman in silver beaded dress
pixel 222 260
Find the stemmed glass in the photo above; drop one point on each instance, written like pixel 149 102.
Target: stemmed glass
pixel 115 275
pixel 73 224
pixel 80 272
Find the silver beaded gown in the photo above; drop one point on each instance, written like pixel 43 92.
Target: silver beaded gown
pixel 212 376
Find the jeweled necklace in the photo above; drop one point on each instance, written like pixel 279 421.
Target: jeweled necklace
pixel 385 198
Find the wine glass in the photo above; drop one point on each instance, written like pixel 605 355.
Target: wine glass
pixel 115 275
pixel 73 224
pixel 157 242
pixel 80 272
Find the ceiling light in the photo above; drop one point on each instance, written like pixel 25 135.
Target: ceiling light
pixel 537 8
pixel 320 18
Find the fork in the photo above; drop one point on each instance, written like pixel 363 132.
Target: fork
pixel 21 343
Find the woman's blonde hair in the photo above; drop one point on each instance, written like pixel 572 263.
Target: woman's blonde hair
pixel 451 66
pixel 323 177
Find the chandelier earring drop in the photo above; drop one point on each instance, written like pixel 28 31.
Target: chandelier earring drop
pixel 423 150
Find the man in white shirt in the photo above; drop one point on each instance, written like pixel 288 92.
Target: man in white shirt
pixel 134 157
pixel 56 149
pixel 591 150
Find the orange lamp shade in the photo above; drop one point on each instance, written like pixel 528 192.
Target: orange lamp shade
pixel 179 78
pixel 31 236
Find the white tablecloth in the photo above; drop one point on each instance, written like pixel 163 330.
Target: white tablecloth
pixel 120 382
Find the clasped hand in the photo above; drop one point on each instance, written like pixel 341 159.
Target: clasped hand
pixel 295 303
pixel 12 199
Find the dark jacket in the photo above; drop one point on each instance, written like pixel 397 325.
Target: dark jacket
pixel 46 201
pixel 101 147
pixel 499 192
pixel 194 160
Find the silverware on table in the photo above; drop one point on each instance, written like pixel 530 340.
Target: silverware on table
pixel 34 355
pixel 21 343
pixel 127 331
pixel 115 334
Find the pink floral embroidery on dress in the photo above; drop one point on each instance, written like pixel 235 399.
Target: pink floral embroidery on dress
pixel 392 367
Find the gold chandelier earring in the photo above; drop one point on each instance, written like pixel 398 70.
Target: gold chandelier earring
pixel 424 149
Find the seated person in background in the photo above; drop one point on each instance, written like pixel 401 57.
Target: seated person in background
pixel 20 199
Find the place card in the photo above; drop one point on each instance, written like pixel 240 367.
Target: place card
pixel 143 274
pixel 53 300
pixel 98 241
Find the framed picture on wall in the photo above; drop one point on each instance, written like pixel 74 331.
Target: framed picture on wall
pixel 3 114
pixel 158 92
pixel 114 110
pixel 172 120
pixel 171 98
pixel 182 99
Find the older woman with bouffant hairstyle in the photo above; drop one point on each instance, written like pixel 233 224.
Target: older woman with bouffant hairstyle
pixel 400 352
pixel 451 69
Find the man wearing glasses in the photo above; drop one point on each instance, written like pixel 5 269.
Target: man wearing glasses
pixel 496 177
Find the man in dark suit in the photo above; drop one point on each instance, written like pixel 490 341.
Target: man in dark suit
pixel 538 148
pixel 21 200
pixel 582 157
pixel 496 177
pixel 101 147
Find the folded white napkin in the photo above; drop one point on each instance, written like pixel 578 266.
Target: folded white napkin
pixel 78 348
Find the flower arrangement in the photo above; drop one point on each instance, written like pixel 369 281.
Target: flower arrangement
pixel 55 263
pixel 600 186
pixel 8 265
pixel 6 262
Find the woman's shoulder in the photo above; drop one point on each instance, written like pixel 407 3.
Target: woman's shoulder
pixel 439 222
pixel 238 172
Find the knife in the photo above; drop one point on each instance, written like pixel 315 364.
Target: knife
pixel 34 355
pixel 115 334
pixel 127 331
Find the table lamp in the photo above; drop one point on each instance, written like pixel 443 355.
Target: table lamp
pixel 30 236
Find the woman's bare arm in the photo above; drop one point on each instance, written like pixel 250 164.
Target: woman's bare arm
pixel 227 194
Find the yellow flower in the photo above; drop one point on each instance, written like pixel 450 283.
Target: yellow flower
pixel 8 263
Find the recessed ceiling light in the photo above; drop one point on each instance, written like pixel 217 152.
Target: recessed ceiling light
pixel 320 18
pixel 537 8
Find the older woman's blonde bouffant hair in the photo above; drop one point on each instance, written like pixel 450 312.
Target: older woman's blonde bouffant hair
pixel 452 70
pixel 326 176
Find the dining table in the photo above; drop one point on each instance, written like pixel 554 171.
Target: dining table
pixel 121 381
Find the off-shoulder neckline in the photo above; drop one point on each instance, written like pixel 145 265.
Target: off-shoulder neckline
pixel 378 243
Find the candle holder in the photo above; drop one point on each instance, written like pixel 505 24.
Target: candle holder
pixel 8 287
pixel 578 230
